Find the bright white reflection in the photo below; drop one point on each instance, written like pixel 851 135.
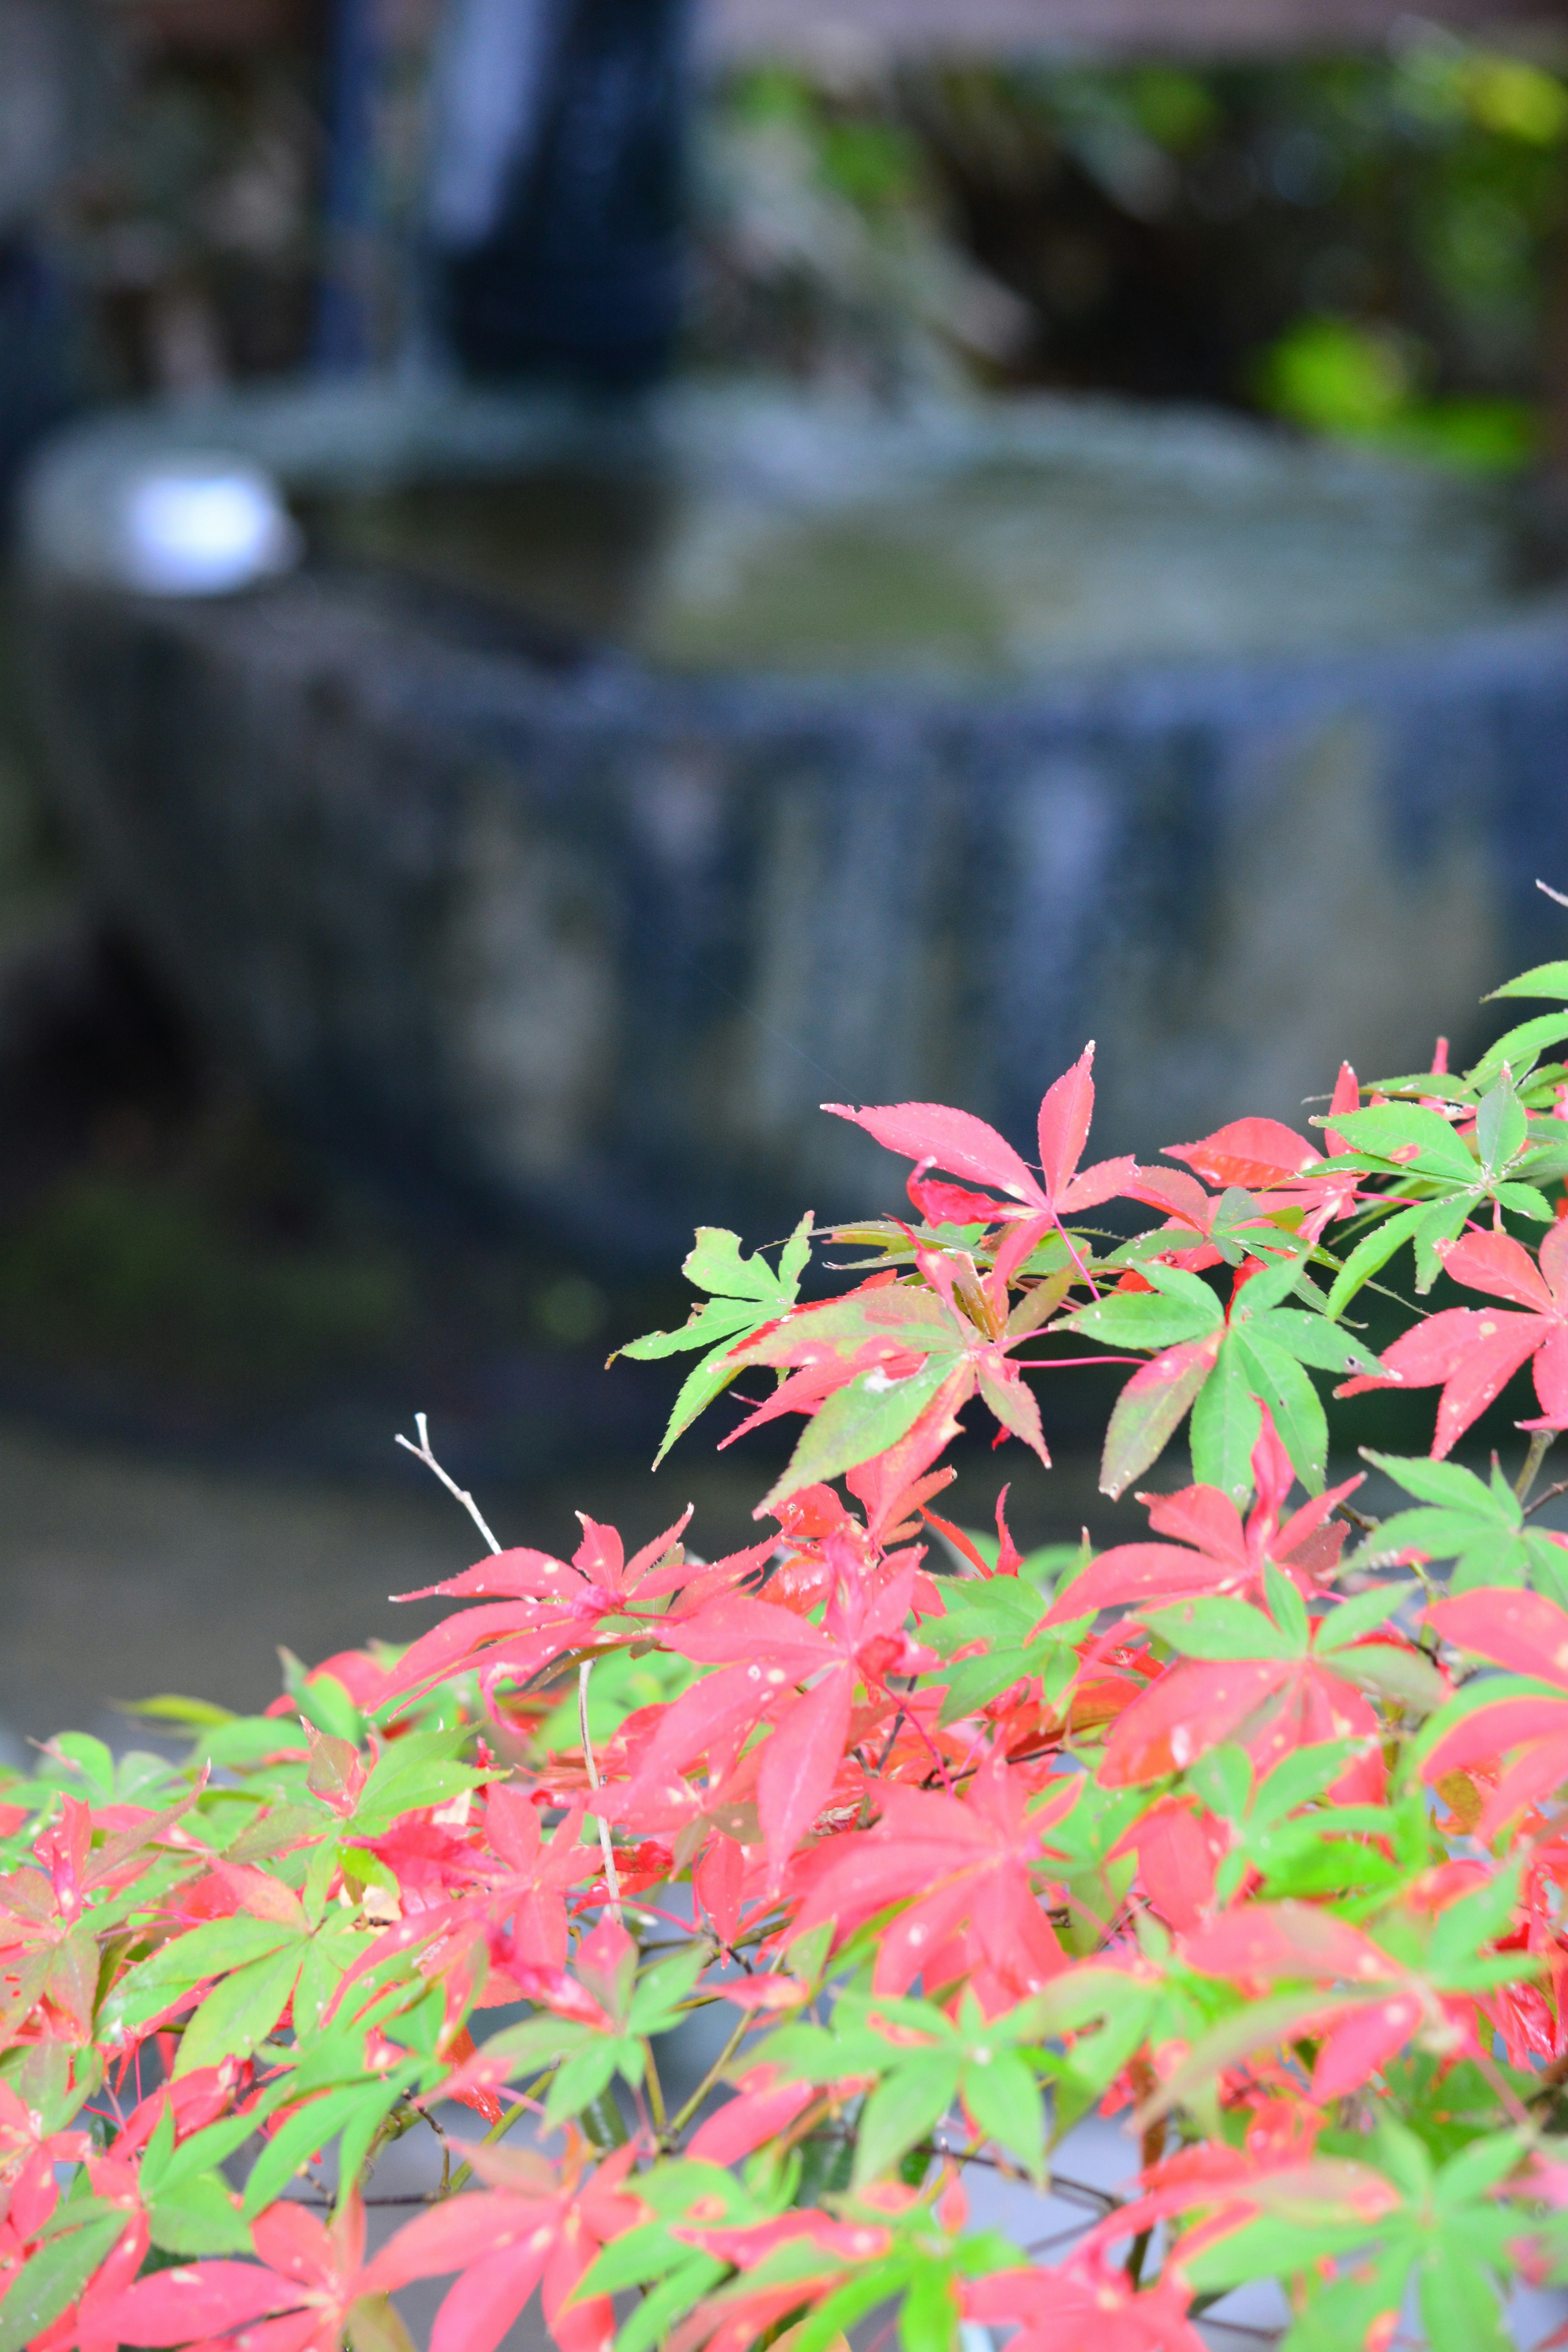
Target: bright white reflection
pixel 206 532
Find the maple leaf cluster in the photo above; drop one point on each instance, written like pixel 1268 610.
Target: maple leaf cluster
pixel 1247 1831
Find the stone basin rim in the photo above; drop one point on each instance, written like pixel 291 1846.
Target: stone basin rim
pixel 606 687
pixel 360 437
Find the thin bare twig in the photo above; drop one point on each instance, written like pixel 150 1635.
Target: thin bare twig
pixel 1057 2238
pixel 684 2114
pixel 421 1453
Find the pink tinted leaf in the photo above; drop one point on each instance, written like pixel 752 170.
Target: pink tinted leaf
pixel 1252 1153
pixel 1551 1379
pixel 1361 2042
pixel 1272 1940
pixel 451 2236
pixel 1179 1195
pixel 1273 1472
pixel 1555 1259
pixel 1306 1533
pixel 1193 1708
pixel 1135 1572
pixel 800 1763
pixel 1494 1731
pixel 1501 1343
pixel 953 1140
pixel 750 2121
pixel 1107 1180
pixel 1498 1265
pixel 1204 1518
pixel 523 1575
pixel 1521 1630
pixel 720 1708
pixel 739 1628
pixel 512 1825
pixel 1178 1850
pixel 296 2243
pixel 949 1204
pixel 1063 1123
pixel 918 1933
pixel 1346 1099
pixel 601 1555
pixel 479 2310
pixel 1540 1772
pixel 1014 1407
pixel 766 1992
pixel 1432 1350
pixel 965 1830
pixel 653 1552
pixel 890 1604
pixel 850 1887
pixel 1474 1352
pixel 439 1651
pixel 177 2306
pixel 1020 1241
pixel 1151 1408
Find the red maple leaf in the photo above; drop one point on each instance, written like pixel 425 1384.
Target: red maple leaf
pixel 1474 1352
pixel 1084 2303
pixel 1526 1632
pixel 964 1862
pixel 765 1655
pixel 301 2295
pixel 1215 1550
pixel 935 1137
pixel 1359 2029
pixel 1270 1706
pixel 1261 1155
pixel 553 1608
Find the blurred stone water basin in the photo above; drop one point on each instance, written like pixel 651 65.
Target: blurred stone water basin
pixel 610 786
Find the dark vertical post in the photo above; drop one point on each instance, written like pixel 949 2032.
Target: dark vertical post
pixel 576 272
pixel 345 319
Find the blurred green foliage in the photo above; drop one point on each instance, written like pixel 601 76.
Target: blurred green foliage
pixel 1361 246
pixel 1333 375
pixel 132 1271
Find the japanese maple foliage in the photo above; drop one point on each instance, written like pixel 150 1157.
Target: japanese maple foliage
pixel 1250 1830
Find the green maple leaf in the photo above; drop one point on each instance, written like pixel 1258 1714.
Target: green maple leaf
pixel 744 1295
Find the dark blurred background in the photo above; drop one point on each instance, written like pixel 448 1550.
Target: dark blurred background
pixel 1355 227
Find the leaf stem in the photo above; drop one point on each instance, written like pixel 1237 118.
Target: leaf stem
pixel 683 2114
pixel 606 1845
pixel 1548 1496
pixel 496 2133
pixel 1540 1442
pixel 655 2088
